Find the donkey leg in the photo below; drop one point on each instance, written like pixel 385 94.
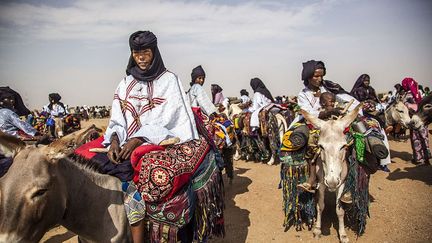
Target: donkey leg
pixel 343 237
pixel 237 155
pixel 320 207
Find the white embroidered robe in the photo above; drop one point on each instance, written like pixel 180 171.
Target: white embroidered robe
pixel 154 111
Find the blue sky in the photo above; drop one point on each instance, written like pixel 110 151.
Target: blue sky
pixel 80 48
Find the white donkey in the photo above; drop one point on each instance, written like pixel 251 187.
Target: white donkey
pixel 332 167
pixel 397 113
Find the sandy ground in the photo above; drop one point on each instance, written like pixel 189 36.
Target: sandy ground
pixel 400 211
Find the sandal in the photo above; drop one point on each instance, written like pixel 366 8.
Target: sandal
pixel 346 198
pixel 306 187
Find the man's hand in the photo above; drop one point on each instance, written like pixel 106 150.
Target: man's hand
pixel 114 151
pixel 129 147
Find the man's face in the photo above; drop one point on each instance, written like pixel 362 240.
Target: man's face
pixel 200 80
pixel 143 58
pixel 8 102
pixel 366 82
pixel 316 79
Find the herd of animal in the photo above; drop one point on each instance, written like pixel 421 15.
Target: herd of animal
pixel 45 187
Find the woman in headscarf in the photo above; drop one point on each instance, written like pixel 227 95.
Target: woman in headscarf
pixel 218 98
pixel 217 95
pixel 362 90
pixel 197 94
pixel 420 137
pixel 262 97
pixel 308 100
pixel 312 76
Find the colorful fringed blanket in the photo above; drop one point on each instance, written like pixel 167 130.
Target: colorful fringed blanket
pixel 175 186
pixel 198 205
pixel 160 174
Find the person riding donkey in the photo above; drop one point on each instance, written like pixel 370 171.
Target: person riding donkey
pixel 11 106
pixel 299 151
pixel 171 182
pixel 54 112
pixel 217 125
pixel 328 111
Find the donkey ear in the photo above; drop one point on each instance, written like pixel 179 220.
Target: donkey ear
pixel 10 145
pixel 350 117
pixel 315 121
pixel 66 145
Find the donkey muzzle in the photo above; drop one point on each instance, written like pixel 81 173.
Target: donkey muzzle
pixel 332 183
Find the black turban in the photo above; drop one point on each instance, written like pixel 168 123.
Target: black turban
pixel 20 108
pixel 197 72
pixel 258 86
pixel 244 92
pixel 54 96
pixel 309 68
pixel 141 40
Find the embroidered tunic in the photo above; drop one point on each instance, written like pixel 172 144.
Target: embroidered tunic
pixel 199 98
pixel 10 123
pixel 154 111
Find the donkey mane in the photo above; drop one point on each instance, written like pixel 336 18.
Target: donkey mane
pixel 88 168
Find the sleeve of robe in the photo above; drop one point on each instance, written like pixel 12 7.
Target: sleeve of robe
pixel 203 100
pixel 258 101
pixel 117 123
pixel 23 126
pixel 304 104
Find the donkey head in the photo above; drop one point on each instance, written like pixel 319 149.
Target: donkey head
pixel 33 194
pixel 423 117
pixel 333 146
pixel 398 114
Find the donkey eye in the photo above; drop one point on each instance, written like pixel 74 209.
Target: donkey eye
pixel 400 111
pixel 427 107
pixel 39 193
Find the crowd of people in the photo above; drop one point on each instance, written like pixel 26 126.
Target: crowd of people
pixel 151 112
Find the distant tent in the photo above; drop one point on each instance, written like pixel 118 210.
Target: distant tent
pixel 20 108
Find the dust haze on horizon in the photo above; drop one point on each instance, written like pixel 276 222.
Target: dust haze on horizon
pixel 80 48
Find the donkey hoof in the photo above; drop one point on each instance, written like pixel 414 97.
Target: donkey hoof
pixel 271 161
pixel 317 233
pixel 344 239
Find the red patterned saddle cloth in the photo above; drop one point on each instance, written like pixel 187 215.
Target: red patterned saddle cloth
pixel 160 174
